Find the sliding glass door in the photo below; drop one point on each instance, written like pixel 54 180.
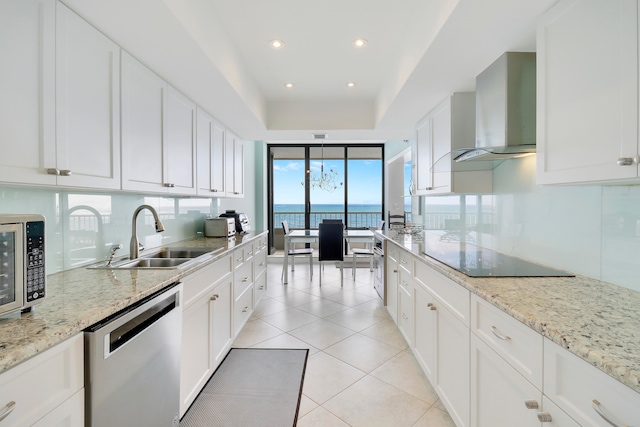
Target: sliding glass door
pixel 308 183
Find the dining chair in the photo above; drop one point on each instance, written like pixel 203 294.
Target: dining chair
pixel 293 252
pixel 396 221
pixel 364 252
pixel 331 245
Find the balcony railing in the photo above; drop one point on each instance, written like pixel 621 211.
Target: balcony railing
pixel 355 219
pixel 431 221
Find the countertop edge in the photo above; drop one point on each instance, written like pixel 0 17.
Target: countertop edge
pixel 47 336
pixel 555 333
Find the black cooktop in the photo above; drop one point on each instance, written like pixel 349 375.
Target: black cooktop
pixel 475 261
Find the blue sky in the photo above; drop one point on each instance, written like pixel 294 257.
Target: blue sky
pixel 365 182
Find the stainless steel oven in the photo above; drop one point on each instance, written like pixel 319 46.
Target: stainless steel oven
pixel 378 268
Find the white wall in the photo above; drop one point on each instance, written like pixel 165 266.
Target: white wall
pixel 589 230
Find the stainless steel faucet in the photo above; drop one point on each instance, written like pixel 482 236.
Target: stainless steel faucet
pixel 133 247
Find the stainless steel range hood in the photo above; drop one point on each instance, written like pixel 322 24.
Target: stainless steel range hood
pixel 505 110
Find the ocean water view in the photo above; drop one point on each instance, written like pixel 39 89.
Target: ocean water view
pixel 359 215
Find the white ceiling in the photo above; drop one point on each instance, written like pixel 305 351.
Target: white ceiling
pixel 217 53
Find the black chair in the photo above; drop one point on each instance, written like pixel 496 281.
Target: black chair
pixel 331 245
pixel 368 252
pixel 397 221
pixel 293 252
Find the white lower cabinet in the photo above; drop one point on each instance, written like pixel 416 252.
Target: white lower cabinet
pixel 425 334
pixel 499 394
pixel 585 393
pixel 451 379
pixel 46 390
pixel 556 417
pixel 491 370
pixel 405 312
pixel 207 330
pixel 391 279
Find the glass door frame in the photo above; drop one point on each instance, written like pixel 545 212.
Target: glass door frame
pixel 307 163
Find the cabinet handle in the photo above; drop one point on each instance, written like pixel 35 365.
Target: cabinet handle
pixel 404 316
pixel 626 161
pixel 213 190
pixel 244 310
pixel 53 171
pixel 544 417
pixel 607 418
pixel 261 288
pixel 432 307
pixel 65 172
pixel 168 184
pixel 262 264
pixel 499 335
pixel 8 408
pixel 245 279
pixel 531 404
pixel 395 271
pixel 215 297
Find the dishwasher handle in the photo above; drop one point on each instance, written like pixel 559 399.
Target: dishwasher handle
pixel 124 326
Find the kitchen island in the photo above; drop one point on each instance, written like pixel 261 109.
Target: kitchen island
pixel 566 347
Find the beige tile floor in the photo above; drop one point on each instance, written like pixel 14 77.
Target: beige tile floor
pixel 360 371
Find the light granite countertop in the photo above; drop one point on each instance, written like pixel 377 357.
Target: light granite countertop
pixel 79 298
pixel 594 320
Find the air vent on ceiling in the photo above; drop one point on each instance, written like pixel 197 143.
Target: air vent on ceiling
pixel 319 136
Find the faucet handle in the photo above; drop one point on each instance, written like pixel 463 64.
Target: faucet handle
pixel 112 253
pixel 140 246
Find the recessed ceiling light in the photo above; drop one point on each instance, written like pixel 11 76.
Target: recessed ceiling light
pixel 276 44
pixel 289 85
pixel 359 43
pixel 351 84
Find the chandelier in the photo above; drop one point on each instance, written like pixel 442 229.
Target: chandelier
pixel 327 181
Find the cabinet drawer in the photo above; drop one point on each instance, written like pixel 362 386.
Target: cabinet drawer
pixel 405 314
pixel 260 263
pixel 243 278
pixel 405 262
pixel 260 287
pixel 452 295
pixel 518 344
pixel 238 257
pixel 43 382
pixel 392 252
pixel 199 281
pixel 573 384
pixel 405 281
pixel 260 244
pixel 242 309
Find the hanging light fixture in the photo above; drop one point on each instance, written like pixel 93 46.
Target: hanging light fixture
pixel 327 181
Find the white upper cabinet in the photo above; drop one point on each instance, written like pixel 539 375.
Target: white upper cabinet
pixel 587 92
pixel 210 136
pixel 87 105
pixel 450 126
pixel 27 91
pixel 422 159
pixel 180 144
pixel 158 137
pixel 144 99
pixel 234 165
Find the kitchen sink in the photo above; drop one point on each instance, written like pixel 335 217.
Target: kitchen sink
pixel 180 252
pixel 163 258
pixel 153 263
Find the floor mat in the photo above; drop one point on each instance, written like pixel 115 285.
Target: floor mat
pixel 252 387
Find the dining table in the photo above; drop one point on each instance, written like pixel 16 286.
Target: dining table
pixel 311 235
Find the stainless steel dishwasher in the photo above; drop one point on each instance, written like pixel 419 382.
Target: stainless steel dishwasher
pixel 132 364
